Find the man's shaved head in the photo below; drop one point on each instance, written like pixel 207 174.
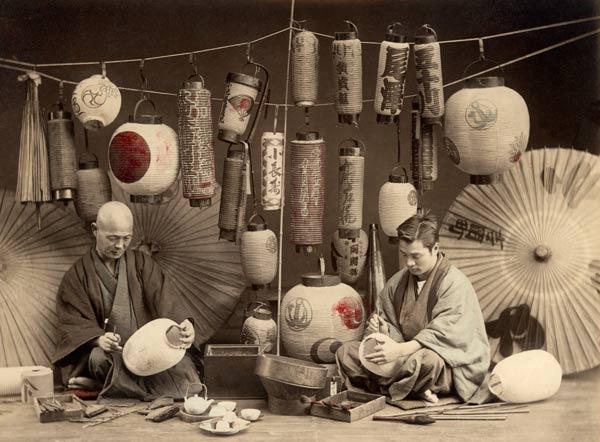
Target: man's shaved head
pixel 113 229
pixel 114 214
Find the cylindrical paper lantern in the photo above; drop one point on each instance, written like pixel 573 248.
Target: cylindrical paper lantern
pixel 397 202
pixel 93 187
pixel 259 254
pixel 196 154
pixel 318 316
pixel 487 128
pixel 428 157
pixel 96 102
pixel 63 159
pixel 391 76
pixel 348 256
pixel 305 68
pixel 240 93
pixel 144 156
pixel 272 144
pixel 351 178
pixel 307 191
pixel 231 194
pixel 428 65
pixel 416 166
pixel 347 66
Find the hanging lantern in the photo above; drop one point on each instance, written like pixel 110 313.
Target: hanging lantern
pixel 260 329
pixel 96 102
pixel 233 202
pixel 308 191
pixel 351 178
pixel 428 65
pixel 259 253
pixel 240 93
pixel 397 202
pixel 428 157
pixel 93 187
pixel 144 156
pixel 271 150
pixel 305 68
pixel 391 75
pixel 63 159
pixel 197 160
pixel 318 316
pixel 347 65
pixel 487 128
pixel 376 275
pixel 416 146
pixel 348 256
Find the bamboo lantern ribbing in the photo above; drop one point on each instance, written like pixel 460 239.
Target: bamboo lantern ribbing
pixel 428 156
pixel 416 146
pixel 93 187
pixel 397 202
pixel 272 144
pixel 232 210
pixel 305 68
pixel 428 65
pixel 391 76
pixel 351 176
pixel 347 66
pixel 63 157
pixel 258 251
pixel 240 94
pixel 197 161
pixel 307 197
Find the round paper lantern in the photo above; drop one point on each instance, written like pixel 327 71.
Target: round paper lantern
pixel 348 256
pixel 351 177
pixel 144 156
pixel 240 93
pixel 233 208
pixel 367 346
pixel 391 76
pixel 260 329
pixel 305 68
pixel 63 159
pixel 96 102
pixel 271 149
pixel 318 316
pixel 347 66
pixel 259 254
pixel 428 66
pixel 397 202
pixel 487 128
pixel 93 187
pixel 529 376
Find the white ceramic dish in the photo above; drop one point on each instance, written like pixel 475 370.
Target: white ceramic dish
pixel 211 427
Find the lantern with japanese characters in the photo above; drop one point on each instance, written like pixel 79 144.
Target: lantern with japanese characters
pixel 307 197
pixel 61 151
pixel 391 76
pixel 233 195
pixel 194 117
pixel 318 316
pixel 428 65
pixel 271 149
pixel 96 102
pixel 305 68
pixel 428 155
pixel 144 156
pixel 351 175
pixel 348 256
pixel 258 250
pixel 397 202
pixel 93 187
pixel 347 66
pixel 240 94
pixel 486 128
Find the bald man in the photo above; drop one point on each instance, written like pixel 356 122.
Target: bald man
pixel 102 300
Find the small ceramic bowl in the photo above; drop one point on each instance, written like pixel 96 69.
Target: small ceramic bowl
pixel 217 411
pixel 250 414
pixel 227 405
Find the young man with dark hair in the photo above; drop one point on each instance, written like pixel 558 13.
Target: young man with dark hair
pixel 431 312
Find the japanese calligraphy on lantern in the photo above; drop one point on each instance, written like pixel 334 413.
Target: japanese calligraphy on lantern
pixel 473 231
pixel 272 169
pixel 347 65
pixel 429 79
pixel 393 61
pixel 347 194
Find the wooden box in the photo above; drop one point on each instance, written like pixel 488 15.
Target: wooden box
pixel 332 406
pixel 73 408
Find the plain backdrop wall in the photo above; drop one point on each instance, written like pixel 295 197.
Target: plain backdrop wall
pixel 558 86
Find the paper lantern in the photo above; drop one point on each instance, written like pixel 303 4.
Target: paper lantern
pixel 348 256
pixel 305 68
pixel 260 329
pixel 397 202
pixel 307 197
pixel 529 376
pixel 416 164
pixel 93 187
pixel 428 66
pixel 144 156
pixel 96 102
pixel 347 66
pixel 351 177
pixel 367 346
pixel 271 149
pixel 240 94
pixel 318 316
pixel 196 154
pixel 233 208
pixel 487 128
pixel 428 157
pixel 63 157
pixel 259 254
pixel 391 76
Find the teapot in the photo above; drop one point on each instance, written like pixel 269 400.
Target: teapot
pixel 196 404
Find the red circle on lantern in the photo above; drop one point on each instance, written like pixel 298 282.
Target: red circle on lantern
pixel 129 156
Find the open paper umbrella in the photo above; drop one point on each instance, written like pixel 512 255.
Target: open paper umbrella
pixel 184 241
pixel 32 264
pixel 531 248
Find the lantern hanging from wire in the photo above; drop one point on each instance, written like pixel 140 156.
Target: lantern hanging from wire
pixel 241 91
pixel 351 176
pixel 233 196
pixel 428 156
pixel 258 250
pixel 305 68
pixel 428 65
pixel 391 75
pixel 397 202
pixel 93 187
pixel 347 66
pixel 416 145
pixel 271 147
pixel 194 116
pixel 348 256
pixel 307 191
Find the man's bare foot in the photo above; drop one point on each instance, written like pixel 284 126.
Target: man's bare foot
pixel 429 396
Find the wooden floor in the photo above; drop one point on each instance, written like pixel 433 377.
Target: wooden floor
pixel 573 414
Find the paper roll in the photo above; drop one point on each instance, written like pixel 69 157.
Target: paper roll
pixel 37 382
pixel 11 381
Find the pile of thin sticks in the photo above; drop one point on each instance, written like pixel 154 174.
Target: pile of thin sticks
pixel 498 411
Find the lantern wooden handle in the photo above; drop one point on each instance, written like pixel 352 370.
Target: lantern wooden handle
pixel 255 215
pixel 483 60
pixel 404 173
pixel 357 143
pixel 196 74
pixel 197 383
pixel 398 25
pixel 256 305
pixel 429 30
pixel 352 27
pixel 137 105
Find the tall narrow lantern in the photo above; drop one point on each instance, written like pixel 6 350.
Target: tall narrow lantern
pixel 347 66
pixel 391 75
pixel 63 159
pixel 416 145
pixel 397 202
pixel 93 187
pixel 197 160
pixel 428 156
pixel 428 64
pixel 307 191
pixel 233 207
pixel 351 176
pixel 258 250
pixel 240 94
pixel 305 68
pixel 271 149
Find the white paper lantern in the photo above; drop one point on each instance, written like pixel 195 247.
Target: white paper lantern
pixel 397 202
pixel 258 250
pixel 351 177
pixel 96 102
pixel 347 67
pixel 271 149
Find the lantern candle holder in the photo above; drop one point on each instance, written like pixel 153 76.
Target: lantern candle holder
pixel 428 65
pixel 351 177
pixel 397 202
pixel 347 66
pixel 305 68
pixel 241 91
pixel 63 157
